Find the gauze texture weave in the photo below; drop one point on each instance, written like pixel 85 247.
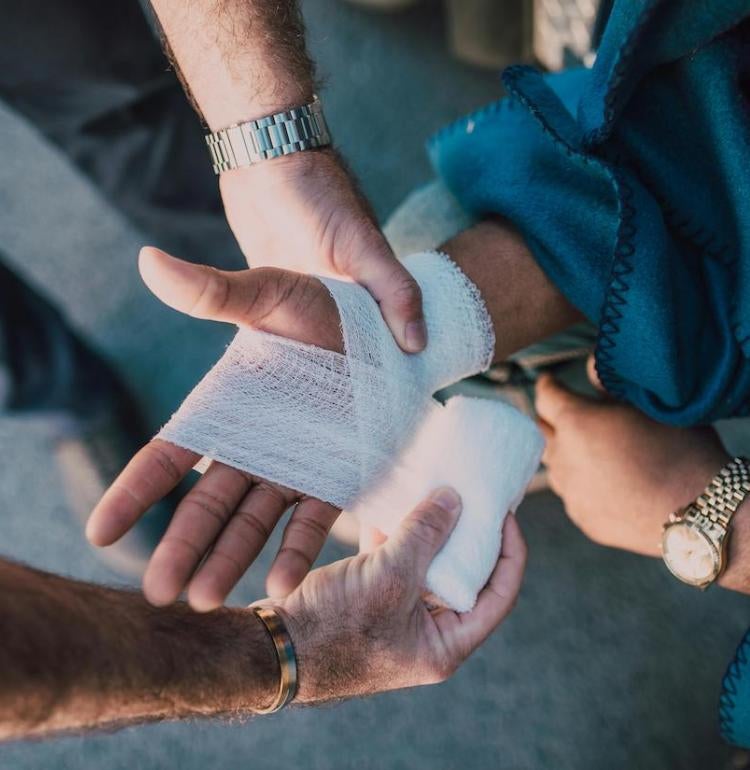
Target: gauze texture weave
pixel 487 451
pixel 328 424
pixel 334 426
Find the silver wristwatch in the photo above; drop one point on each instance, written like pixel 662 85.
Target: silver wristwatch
pixel 301 128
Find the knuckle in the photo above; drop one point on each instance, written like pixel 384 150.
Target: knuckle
pixel 308 527
pixel 296 553
pixel 251 521
pixel 165 462
pixel 209 504
pixel 427 525
pixel 279 495
pixel 176 546
pixel 234 564
pixel 406 296
pixel 214 294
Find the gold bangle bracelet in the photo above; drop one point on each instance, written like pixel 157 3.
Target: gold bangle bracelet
pixel 285 654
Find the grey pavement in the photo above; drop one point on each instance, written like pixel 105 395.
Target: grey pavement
pixel 605 663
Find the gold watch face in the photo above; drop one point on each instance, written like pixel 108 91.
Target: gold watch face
pixel 689 554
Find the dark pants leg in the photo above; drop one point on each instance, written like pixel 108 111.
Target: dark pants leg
pixel 92 78
pixel 49 367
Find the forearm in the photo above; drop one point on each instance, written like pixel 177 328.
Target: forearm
pixel 239 59
pixel 76 656
pixel 524 304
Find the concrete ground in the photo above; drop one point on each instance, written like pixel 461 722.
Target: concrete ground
pixel 606 663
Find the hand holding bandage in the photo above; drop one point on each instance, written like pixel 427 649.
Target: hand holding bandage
pixel 335 426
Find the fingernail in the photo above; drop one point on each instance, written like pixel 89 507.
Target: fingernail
pixel 447 498
pixel 416 335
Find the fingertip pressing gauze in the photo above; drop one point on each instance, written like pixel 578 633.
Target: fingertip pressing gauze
pixel 488 452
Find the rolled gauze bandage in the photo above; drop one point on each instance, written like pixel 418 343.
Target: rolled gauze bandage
pixel 330 425
pixel 486 450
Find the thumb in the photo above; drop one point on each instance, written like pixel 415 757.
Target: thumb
pixel 424 531
pixel 277 301
pixel 205 292
pixel 395 290
pixel 552 399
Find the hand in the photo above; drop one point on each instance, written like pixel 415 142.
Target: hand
pixel 302 212
pixel 228 515
pixel 360 626
pixel 619 473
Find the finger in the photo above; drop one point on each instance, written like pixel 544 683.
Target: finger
pixel 152 473
pixel 593 374
pixel 552 399
pixel 238 545
pixel 370 538
pixel 547 430
pixel 197 521
pixel 395 290
pixel 277 301
pixel 498 597
pixel 424 531
pixel 303 538
pixel 547 455
pixel 549 441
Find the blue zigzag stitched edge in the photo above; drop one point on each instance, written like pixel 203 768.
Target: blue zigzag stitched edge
pixel 729 689
pixel 617 290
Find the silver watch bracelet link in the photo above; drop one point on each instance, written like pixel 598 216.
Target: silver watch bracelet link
pixel 284 133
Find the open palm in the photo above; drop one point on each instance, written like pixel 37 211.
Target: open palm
pixel 222 524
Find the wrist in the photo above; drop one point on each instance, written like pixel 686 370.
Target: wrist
pixel 685 480
pixel 258 682
pixel 303 630
pixel 736 576
pixel 234 669
pixel 523 303
pixel 332 660
pixel 293 167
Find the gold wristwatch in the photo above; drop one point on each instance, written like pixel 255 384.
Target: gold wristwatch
pixel 694 541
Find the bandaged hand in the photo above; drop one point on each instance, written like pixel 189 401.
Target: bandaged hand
pixel 360 430
pixel 229 513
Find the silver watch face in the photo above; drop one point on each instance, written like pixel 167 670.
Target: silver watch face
pixel 689 554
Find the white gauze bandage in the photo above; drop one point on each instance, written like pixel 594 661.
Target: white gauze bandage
pixel 337 427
